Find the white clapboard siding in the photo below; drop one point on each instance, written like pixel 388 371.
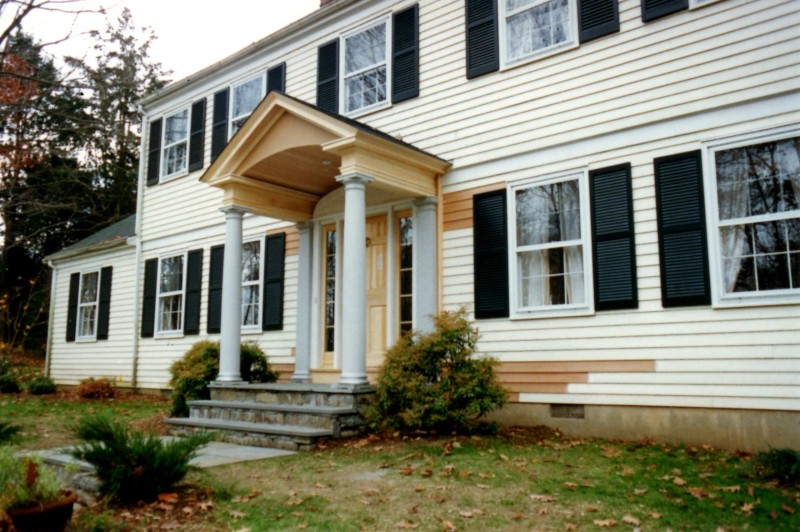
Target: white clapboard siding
pixel 72 362
pixel 747 403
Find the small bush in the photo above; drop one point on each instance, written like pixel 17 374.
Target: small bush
pixel 96 389
pixel 782 465
pixel 133 466
pixel 434 381
pixel 8 432
pixel 9 384
pixel 41 386
pixel 200 365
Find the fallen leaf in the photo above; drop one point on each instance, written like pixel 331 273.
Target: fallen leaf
pixel 321 486
pixel 542 498
pixel 631 520
pixel 425 473
pixel 788 509
pixel 419 489
pixel 570 486
pixel 605 523
pixel 642 491
pixel 542 511
pixel 466 514
pixel 447 526
pixel 187 510
pixel 731 489
pixel 504 458
pixel 406 525
pixel 678 481
pixel 751 491
pixel 236 514
pixel 698 493
pixel 406 470
pixel 168 497
pixel 654 515
pixel 748 508
pixel 570 526
pixel 298 514
pixel 294 501
pixel 482 486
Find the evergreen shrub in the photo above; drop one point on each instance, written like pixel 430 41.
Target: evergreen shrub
pixel 782 465
pixel 41 386
pixel 435 381
pixel 9 384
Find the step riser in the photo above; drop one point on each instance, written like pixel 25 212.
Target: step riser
pixel 334 400
pixel 273 441
pixel 264 416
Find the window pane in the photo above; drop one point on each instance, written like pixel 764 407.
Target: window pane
pixel 366 88
pixel 537 28
pixel 406 231
pixel 405 282
pixel 171 275
pixel 251 261
pixel 87 320
pixel 89 287
pixel 250 301
pixel 773 271
pixel 170 312
pixel 176 127
pixel 511 5
pixel 548 213
pixel 246 97
pixel 175 159
pixel 552 277
pixel 365 49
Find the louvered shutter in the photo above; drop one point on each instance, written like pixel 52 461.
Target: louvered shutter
pixel 276 78
pixel 613 242
pixel 214 319
pixel 597 18
pixel 483 54
pixel 149 297
pixel 328 77
pixel 154 153
pixel 682 230
pixel 104 303
pixel 197 135
pixel 194 271
pixel 273 282
pixel 653 9
pixel 72 306
pixel 405 54
pixel 219 127
pixel 490 244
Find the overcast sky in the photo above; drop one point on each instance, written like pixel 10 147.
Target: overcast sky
pixel 192 34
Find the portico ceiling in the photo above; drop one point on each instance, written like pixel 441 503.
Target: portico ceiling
pixel 288 155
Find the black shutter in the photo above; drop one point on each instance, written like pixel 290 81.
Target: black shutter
pixel 276 78
pixel 483 54
pixel 597 18
pixel 104 306
pixel 613 243
pixel 405 54
pixel 273 282
pixel 214 319
pixel 328 77
pixel 154 153
pixel 490 241
pixel 197 135
pixel 219 127
pixel 682 230
pixel 149 298
pixel 72 306
pixel 653 9
pixel 194 272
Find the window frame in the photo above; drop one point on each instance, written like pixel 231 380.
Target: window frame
pixel 697 4
pixel 231 118
pixel 79 319
pixel 582 309
pixel 164 176
pixel 256 327
pixel 171 333
pixel 386 20
pixel 502 23
pixel 719 297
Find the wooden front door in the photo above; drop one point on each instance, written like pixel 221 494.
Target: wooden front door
pixel 377 266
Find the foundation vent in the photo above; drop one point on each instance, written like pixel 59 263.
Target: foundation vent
pixel 567 411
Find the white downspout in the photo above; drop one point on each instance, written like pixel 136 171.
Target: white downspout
pixel 137 290
pixel 51 315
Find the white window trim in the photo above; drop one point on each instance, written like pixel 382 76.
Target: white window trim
pixel 232 92
pixel 96 304
pixel 178 333
pixel 696 4
pixel 505 63
pixel 387 20
pixel 185 170
pixel 584 309
pixel 719 299
pixel 256 329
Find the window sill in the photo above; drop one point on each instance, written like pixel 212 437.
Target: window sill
pixel 86 340
pixel 168 335
pixel 555 313
pixel 173 177
pixel 550 52
pixel 250 331
pixel 367 110
pixel 698 5
pixel 754 300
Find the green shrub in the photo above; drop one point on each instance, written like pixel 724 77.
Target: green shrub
pixel 434 381
pixel 782 465
pixel 41 386
pixel 133 466
pixel 8 432
pixel 9 384
pixel 200 365
pixel 96 389
pixel 25 481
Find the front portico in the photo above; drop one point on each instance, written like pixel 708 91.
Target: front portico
pixel 292 161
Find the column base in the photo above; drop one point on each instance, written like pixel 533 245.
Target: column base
pixel 353 387
pixel 228 382
pixel 301 378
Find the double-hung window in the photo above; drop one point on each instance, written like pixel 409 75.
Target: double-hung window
pixel 171 291
pixel 244 98
pixel 756 187
pixel 533 28
pixel 550 253
pixel 366 76
pixel 175 143
pixel 88 304
pixel 251 284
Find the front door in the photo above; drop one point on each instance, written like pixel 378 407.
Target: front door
pixel 377 266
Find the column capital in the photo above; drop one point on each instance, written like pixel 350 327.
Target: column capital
pixel 234 209
pixel 427 201
pixel 355 178
pixel 304 226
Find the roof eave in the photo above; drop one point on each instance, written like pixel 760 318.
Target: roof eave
pixel 106 245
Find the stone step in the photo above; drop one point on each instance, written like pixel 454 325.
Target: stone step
pixel 322 417
pixel 292 394
pixel 276 407
pixel 290 437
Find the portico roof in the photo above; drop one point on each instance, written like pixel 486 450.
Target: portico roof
pixel 288 154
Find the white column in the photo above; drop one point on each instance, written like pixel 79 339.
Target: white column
pixel 354 282
pixel 302 357
pixel 231 326
pixel 425 270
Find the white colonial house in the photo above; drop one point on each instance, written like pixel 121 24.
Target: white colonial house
pixel 610 187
